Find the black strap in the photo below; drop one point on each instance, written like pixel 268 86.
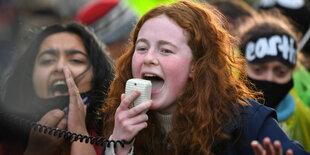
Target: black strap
pixel 67 135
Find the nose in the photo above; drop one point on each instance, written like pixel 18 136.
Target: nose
pixel 60 65
pixel 150 58
pixel 269 76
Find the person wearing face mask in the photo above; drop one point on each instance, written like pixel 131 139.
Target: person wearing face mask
pixel 269 44
pixel 35 87
pixel 299 13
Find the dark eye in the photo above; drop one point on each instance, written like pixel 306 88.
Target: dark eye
pixel 142 49
pixel 47 62
pixel 281 72
pixel 258 70
pixel 77 61
pixel 166 51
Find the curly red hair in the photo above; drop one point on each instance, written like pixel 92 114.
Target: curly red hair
pixel 212 96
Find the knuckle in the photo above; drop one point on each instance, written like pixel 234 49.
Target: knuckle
pixel 135 110
pixel 126 101
pixel 121 118
pixel 118 118
pixel 124 125
pixel 131 130
pixel 146 106
pixel 57 113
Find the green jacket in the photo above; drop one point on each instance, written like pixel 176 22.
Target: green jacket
pixel 301 79
pixel 297 124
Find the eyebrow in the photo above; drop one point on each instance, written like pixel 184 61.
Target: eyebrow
pixel 142 40
pixel 73 51
pixel 160 42
pixel 56 52
pixel 49 51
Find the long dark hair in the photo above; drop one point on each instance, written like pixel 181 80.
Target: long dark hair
pixel 18 86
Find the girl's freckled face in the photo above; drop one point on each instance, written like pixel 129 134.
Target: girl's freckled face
pixel 162 50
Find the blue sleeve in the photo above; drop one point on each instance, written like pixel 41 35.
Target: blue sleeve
pixel 259 122
pixel 271 129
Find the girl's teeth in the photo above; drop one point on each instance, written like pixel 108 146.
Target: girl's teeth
pixel 60 82
pixel 149 75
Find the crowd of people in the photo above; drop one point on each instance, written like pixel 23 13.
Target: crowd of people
pixel 227 78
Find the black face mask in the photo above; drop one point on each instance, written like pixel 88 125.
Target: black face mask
pixel 273 92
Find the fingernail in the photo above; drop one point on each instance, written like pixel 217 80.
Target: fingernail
pixel 254 142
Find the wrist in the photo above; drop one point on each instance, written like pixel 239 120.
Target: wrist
pixel 80 130
pixel 122 146
pixel 121 141
pixel 130 142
